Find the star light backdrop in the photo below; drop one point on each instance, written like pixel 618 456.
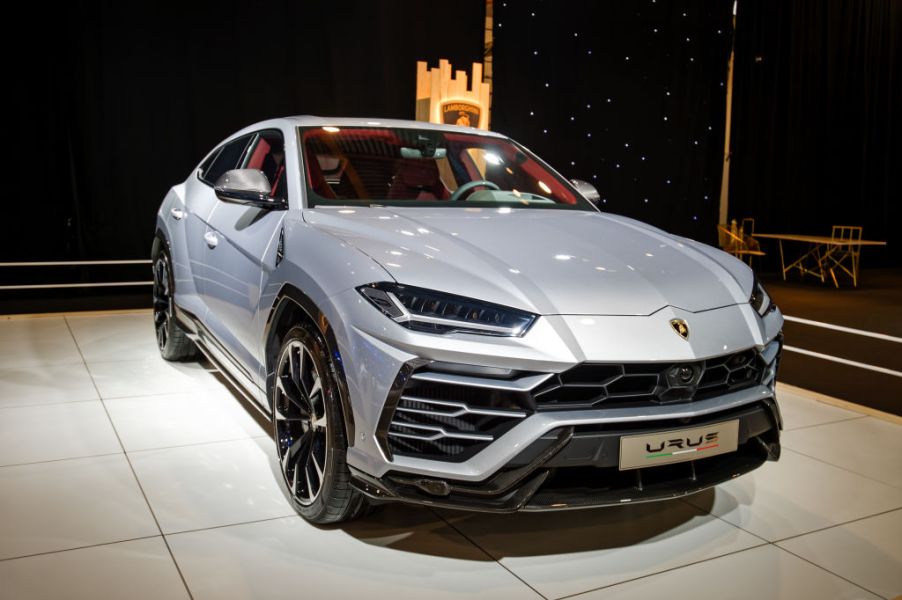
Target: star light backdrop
pixel 629 96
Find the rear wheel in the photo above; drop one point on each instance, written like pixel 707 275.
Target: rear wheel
pixel 172 341
pixel 309 430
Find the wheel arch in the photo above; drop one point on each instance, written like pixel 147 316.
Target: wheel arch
pixel 291 307
pixel 159 242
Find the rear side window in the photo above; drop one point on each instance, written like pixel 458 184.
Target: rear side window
pixel 209 161
pixel 228 158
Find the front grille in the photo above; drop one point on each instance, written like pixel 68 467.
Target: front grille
pixel 636 384
pixel 450 416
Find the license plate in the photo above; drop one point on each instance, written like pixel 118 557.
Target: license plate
pixel 653 449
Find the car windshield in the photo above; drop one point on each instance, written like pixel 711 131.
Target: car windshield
pixel 427 167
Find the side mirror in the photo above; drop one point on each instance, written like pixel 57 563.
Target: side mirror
pixel 246 186
pixel 587 190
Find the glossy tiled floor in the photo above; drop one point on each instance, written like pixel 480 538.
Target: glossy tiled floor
pixel 122 476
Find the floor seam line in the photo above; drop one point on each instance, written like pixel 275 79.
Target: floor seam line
pixel 803 427
pixel 131 466
pixel 486 552
pixel 191 444
pixel 51 403
pixel 721 519
pixel 689 564
pixel 843 524
pixel 85 547
pixel 846 469
pixel 225 525
pixel 826 570
pixel 54 460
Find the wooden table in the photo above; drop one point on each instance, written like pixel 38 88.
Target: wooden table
pixel 823 254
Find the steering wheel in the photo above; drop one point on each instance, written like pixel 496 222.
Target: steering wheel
pixel 459 192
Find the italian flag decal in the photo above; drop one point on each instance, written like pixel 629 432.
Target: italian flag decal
pixel 699 449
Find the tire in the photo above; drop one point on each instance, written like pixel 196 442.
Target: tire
pixel 309 430
pixel 172 340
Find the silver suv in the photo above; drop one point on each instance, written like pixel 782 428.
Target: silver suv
pixel 431 314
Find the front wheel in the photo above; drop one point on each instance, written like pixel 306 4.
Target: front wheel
pixel 309 430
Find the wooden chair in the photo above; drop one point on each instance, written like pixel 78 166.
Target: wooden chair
pixel 737 242
pixel 844 253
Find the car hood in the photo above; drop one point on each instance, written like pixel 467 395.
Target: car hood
pixel 544 261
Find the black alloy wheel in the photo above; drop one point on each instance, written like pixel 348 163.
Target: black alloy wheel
pixel 309 430
pixel 172 341
pixel 301 422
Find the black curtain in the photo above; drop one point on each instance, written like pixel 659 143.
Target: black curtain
pixel 114 102
pixel 816 118
pixel 629 96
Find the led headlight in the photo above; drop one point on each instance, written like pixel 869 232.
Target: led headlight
pixel 437 312
pixel 760 301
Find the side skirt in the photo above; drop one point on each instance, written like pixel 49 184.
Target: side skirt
pixel 223 360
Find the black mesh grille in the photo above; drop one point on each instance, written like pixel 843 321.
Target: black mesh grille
pixel 634 384
pixel 449 422
pixel 452 421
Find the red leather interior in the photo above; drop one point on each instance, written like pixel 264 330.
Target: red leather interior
pixel 260 152
pixel 315 177
pixel 418 180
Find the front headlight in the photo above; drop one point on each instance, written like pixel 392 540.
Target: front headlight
pixel 760 301
pixel 437 312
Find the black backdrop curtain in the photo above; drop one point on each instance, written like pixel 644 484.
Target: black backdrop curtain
pixel 816 118
pixel 629 96
pixel 114 102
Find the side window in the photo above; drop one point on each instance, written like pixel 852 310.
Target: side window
pixel 267 154
pixel 227 158
pixel 209 161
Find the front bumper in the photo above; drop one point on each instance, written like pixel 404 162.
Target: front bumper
pixel 574 464
pixel 534 423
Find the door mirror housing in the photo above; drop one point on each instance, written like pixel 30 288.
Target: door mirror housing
pixel 587 190
pixel 247 186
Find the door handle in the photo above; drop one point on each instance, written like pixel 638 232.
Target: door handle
pixel 177 213
pixel 211 238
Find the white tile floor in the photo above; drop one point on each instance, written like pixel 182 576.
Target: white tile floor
pixel 124 476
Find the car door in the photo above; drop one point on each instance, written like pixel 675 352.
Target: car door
pixel 237 239
pixel 200 201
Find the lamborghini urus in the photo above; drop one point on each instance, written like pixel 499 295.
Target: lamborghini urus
pixel 431 314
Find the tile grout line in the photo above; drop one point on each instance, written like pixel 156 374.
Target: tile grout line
pixel 86 547
pixel 721 519
pixel 676 568
pixel 604 587
pixel 798 535
pixel 828 400
pixel 803 427
pixel 141 450
pixel 130 466
pixel 776 545
pixel 149 537
pixel 826 570
pixel 843 524
pixel 766 543
pixel 50 403
pixel 238 524
pixel 55 460
pixel 192 444
pixel 846 469
pixel 486 552
pixel 202 388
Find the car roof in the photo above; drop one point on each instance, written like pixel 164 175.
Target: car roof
pixel 315 121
